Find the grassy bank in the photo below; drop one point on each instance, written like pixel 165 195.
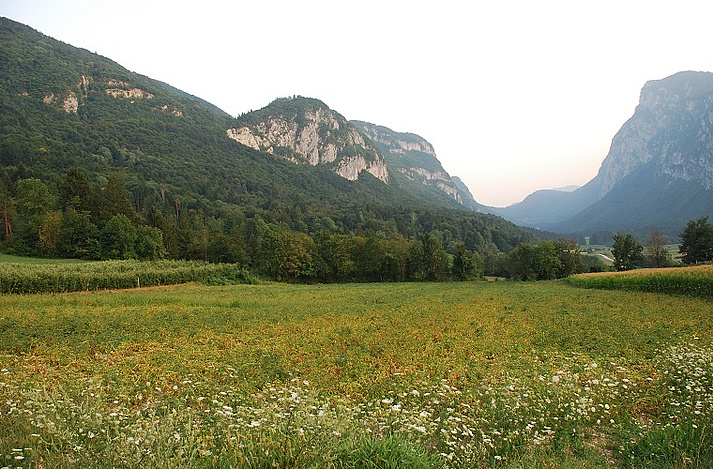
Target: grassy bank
pixel 416 375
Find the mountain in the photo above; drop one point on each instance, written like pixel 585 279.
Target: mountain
pixel 414 167
pixel 468 199
pixel 658 172
pixel 83 139
pixel 304 130
pixel 545 207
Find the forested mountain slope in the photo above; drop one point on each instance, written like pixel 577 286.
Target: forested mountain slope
pixel 85 142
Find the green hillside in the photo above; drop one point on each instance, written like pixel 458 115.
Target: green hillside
pixel 99 162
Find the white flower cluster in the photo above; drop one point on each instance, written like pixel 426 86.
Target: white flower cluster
pixel 466 425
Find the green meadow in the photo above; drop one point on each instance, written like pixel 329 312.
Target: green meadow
pixel 470 374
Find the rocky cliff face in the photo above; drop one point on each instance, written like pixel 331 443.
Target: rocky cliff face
pixel 72 99
pixel 413 157
pixel 672 128
pixel 305 130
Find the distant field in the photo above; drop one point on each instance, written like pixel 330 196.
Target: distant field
pixel 604 252
pixel 479 374
pixel 9 259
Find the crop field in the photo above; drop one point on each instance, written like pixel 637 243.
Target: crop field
pixel 692 281
pixel 471 374
pixel 46 276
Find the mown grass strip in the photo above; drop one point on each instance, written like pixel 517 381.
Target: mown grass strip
pixel 109 275
pixel 10 259
pixel 694 281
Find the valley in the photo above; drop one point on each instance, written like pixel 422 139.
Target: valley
pixel 180 287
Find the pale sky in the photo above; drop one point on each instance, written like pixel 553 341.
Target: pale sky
pixel 514 96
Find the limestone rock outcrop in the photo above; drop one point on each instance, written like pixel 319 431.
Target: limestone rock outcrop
pixel 305 130
pixel 414 158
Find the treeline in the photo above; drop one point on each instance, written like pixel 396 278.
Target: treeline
pixel 547 260
pixel 78 219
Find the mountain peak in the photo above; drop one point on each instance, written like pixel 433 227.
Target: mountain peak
pixel 680 85
pixel 670 129
pixel 306 130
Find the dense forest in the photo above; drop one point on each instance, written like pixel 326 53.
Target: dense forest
pixel 81 219
pixel 97 162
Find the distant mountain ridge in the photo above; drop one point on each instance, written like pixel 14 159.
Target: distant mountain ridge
pixel 658 172
pixel 413 163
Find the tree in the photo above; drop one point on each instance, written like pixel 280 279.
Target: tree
pixel 79 236
pixel 697 241
pixel 396 253
pixel 6 207
pixel 547 265
pixel 227 248
pixel 466 264
pixel 75 192
pixel 286 255
pixel 119 237
pixel 33 201
pixel 50 232
pixel 570 257
pixel 116 199
pixel 520 262
pixel 626 251
pixel 427 259
pixel 149 244
pixel 333 260
pixel 656 250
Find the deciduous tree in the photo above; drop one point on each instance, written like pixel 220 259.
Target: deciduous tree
pixel 656 250
pixel 697 241
pixel 118 238
pixel 626 251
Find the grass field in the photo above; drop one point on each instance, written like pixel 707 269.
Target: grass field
pixel 10 259
pixel 479 374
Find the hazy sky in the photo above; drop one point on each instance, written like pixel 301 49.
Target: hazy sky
pixel 515 96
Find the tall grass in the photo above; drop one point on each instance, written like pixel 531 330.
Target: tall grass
pixel 692 281
pixel 107 275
